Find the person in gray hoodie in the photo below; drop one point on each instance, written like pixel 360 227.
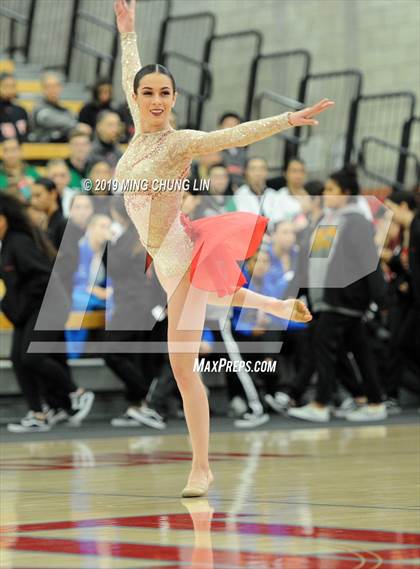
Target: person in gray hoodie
pixel 344 279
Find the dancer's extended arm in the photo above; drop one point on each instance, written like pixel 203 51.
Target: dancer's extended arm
pixel 195 142
pixel 130 60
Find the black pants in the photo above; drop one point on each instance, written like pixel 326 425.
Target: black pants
pixel 306 365
pixel 39 374
pixel 330 332
pixel 136 370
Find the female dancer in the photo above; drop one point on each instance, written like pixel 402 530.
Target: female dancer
pixel 196 262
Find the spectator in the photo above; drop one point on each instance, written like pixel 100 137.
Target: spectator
pixel 52 121
pixel 13 118
pixel 100 174
pixel 26 264
pixel 80 147
pixel 255 196
pixel 216 200
pixel 105 146
pixel 92 288
pixel 101 101
pixel 132 319
pixel 14 172
pixel 45 198
pixel 342 250
pixel 59 173
pixel 234 158
pixel 200 169
pixel 291 194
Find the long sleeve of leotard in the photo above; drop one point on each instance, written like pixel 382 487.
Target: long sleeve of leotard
pixel 196 142
pixel 130 64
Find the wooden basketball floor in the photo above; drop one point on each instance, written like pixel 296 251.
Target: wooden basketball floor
pixel 344 497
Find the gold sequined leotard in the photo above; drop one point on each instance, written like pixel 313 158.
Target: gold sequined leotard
pixel 167 155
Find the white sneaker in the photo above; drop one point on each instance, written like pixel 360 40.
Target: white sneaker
pixel 29 424
pixel 147 416
pixel 368 413
pixel 310 413
pixel 347 406
pixel 56 416
pixel 237 407
pixel 392 406
pixel 280 402
pixel 251 420
pixel 81 403
pixel 125 421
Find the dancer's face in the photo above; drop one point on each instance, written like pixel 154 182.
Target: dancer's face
pixel 155 98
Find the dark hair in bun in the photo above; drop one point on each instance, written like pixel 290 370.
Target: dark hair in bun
pixel 346 178
pixel 152 68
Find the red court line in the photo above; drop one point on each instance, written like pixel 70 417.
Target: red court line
pixel 183 522
pixel 225 558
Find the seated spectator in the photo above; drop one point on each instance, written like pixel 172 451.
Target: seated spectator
pixel 342 250
pixel 105 146
pixel 255 196
pixel 214 201
pixel 101 101
pixel 234 158
pixel 80 147
pixel 100 172
pixel 91 285
pixel 200 169
pixel 45 198
pixel 13 118
pixel 14 172
pixel 294 190
pixel 59 173
pixel 51 121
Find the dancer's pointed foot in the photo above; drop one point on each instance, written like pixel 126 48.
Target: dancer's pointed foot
pixel 198 484
pixel 290 309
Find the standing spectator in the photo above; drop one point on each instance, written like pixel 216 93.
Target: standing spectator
pixel 59 173
pixel 80 147
pixel 91 285
pixel 136 293
pixel 13 118
pixel 343 249
pixel 106 146
pixel 52 121
pixel 25 264
pixel 234 158
pixel 15 175
pixel 101 101
pixel 45 198
pixel 100 172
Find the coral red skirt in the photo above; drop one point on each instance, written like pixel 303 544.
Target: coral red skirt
pixel 221 241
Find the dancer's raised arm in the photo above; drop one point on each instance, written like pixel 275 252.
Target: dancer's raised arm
pixel 197 142
pixel 130 60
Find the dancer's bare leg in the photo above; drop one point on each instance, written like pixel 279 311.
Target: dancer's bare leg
pixel 186 315
pixel 290 309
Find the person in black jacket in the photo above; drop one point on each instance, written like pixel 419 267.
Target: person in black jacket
pixel 101 101
pixel 26 264
pixel 13 118
pixel 136 294
pixel 344 278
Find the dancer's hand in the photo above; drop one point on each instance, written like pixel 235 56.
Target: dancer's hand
pixel 304 117
pixel 124 13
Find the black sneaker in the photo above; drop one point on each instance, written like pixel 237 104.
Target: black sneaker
pixel 147 416
pixel 81 404
pixel 29 424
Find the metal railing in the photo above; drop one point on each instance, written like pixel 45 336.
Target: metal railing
pixel 193 98
pixel 16 19
pixel 371 145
